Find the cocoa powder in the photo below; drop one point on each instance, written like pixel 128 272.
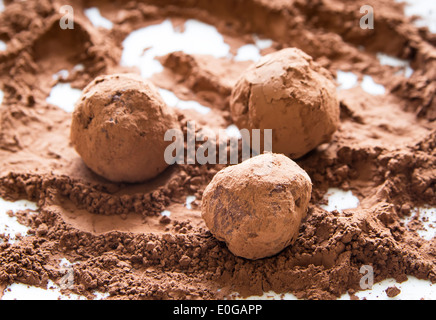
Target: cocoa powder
pixel 384 151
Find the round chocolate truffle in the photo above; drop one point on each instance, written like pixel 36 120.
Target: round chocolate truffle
pixel 288 92
pixel 118 128
pixel 256 207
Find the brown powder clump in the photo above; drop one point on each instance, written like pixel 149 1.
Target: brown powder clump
pixel 287 92
pixel 392 291
pixel 256 207
pixel 118 128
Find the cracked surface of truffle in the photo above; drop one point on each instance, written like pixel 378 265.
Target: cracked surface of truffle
pixel 256 207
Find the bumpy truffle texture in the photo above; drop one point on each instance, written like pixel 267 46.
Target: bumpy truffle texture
pixel 256 207
pixel 118 128
pixel 287 92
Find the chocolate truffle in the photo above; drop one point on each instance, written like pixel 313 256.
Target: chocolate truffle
pixel 288 92
pixel 118 128
pixel 256 207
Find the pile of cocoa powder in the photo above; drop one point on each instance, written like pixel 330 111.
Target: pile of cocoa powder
pixel 114 234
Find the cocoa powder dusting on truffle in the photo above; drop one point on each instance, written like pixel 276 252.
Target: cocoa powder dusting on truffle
pixel 384 151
